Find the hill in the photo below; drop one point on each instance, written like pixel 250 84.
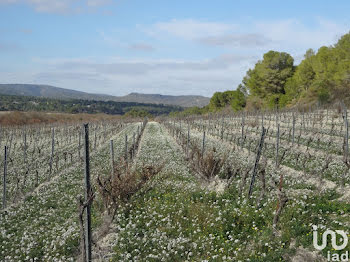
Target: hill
pixel 47 91
pixel 183 101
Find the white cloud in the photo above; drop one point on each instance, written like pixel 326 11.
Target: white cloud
pixel 242 46
pixel 144 66
pixel 118 76
pixel 287 34
pixel 50 6
pixel 60 6
pixel 141 47
pixel 190 28
pixel 96 3
pixel 295 35
pixel 8 1
pixel 236 40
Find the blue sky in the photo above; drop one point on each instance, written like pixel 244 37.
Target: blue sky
pixel 167 47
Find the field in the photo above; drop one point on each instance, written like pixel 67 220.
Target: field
pixel 243 187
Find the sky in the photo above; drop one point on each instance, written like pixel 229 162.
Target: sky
pixel 182 47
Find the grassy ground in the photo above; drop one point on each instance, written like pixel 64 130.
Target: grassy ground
pixel 177 218
pixel 44 227
pixel 178 215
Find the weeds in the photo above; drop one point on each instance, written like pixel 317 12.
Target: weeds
pixel 209 165
pixel 117 189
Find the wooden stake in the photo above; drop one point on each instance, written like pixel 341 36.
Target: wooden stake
pixel 255 170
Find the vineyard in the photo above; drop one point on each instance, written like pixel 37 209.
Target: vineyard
pixel 240 187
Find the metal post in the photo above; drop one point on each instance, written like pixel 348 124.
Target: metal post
pixel 25 147
pixel 222 128
pixel 242 131
pixel 203 144
pixel 188 141
pixel 346 138
pixel 52 148
pixel 303 123
pixel 95 139
pixel 79 144
pixel 277 143
pixel 4 180
pixel 293 130
pixel 126 148
pixel 209 126
pixel 133 145
pixel 87 211
pixel 112 157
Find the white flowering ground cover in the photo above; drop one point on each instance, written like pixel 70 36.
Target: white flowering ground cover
pixel 305 172
pixel 45 226
pixel 178 215
pixel 314 138
pixel 28 164
pixel 177 218
pixel 312 200
pixel 310 160
pixel 320 129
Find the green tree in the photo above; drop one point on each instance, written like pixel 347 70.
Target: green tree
pixel 135 112
pixel 239 100
pixel 235 98
pixel 268 78
pixel 323 76
pixel 302 79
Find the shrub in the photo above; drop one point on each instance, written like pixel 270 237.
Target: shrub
pixel 209 165
pixel 118 188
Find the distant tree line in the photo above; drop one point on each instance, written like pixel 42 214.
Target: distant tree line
pixel 74 106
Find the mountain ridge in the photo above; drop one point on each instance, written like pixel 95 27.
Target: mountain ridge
pixel 49 91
